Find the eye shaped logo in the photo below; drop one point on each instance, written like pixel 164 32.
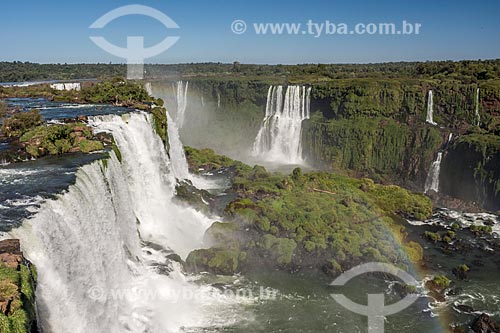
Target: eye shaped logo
pixel 376 308
pixel 135 52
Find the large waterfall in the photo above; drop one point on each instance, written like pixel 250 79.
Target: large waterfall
pixel 180 93
pixel 432 181
pixel 477 115
pixel 101 247
pixel 279 138
pixel 430 109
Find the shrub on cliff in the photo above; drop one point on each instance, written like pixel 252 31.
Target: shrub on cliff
pixel 59 139
pixel 21 122
pixel 116 91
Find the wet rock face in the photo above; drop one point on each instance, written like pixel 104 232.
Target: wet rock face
pixel 470 172
pixel 484 324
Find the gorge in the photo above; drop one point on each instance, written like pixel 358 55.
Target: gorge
pixel 134 224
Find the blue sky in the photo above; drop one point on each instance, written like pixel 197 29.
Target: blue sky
pixel 50 31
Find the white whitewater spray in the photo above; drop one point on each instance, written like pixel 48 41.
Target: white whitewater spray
pixel 181 92
pixel 432 181
pixel 478 116
pixel 177 156
pixel 279 138
pixel 179 162
pixel 149 88
pixel 430 110
pixel 93 273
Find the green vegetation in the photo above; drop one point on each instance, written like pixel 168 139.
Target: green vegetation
pixel 218 261
pixel 118 92
pixel 410 289
pixel 432 236
pixel 59 139
pixel 3 109
pixel 478 152
pixel 117 152
pixel 16 289
pixel 479 230
pixel 462 70
pixel 115 91
pixel 20 123
pixel 319 219
pixel 160 122
pixel 207 160
pixel 440 282
pixel 87 146
pixel 18 71
pixel 41 139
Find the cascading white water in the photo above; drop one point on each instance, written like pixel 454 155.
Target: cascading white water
pixel 181 91
pixel 95 273
pixel 218 100
pixel 430 110
pixel 152 181
pixel 478 116
pixel 179 162
pixel 66 86
pixel 177 155
pixel 432 181
pixel 279 138
pixel 149 88
pixel 450 137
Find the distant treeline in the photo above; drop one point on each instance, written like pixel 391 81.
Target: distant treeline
pixel 467 71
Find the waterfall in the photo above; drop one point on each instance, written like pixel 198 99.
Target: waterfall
pixel 180 167
pixel 181 90
pixel 149 88
pixel 98 270
pixel 430 111
pixel 432 181
pixel 279 138
pixel 177 155
pixel 66 86
pixel 202 100
pixel 218 100
pixel 478 117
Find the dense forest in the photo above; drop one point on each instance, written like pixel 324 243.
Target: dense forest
pixel 468 71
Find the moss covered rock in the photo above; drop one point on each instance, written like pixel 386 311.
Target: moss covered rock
pixel 318 219
pixel 215 260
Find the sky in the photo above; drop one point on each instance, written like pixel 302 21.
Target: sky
pixel 49 31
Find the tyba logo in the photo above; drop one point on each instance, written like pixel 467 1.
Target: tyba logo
pixel 135 53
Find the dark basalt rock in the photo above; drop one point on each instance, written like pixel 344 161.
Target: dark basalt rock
pixel 464 308
pixel 484 324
